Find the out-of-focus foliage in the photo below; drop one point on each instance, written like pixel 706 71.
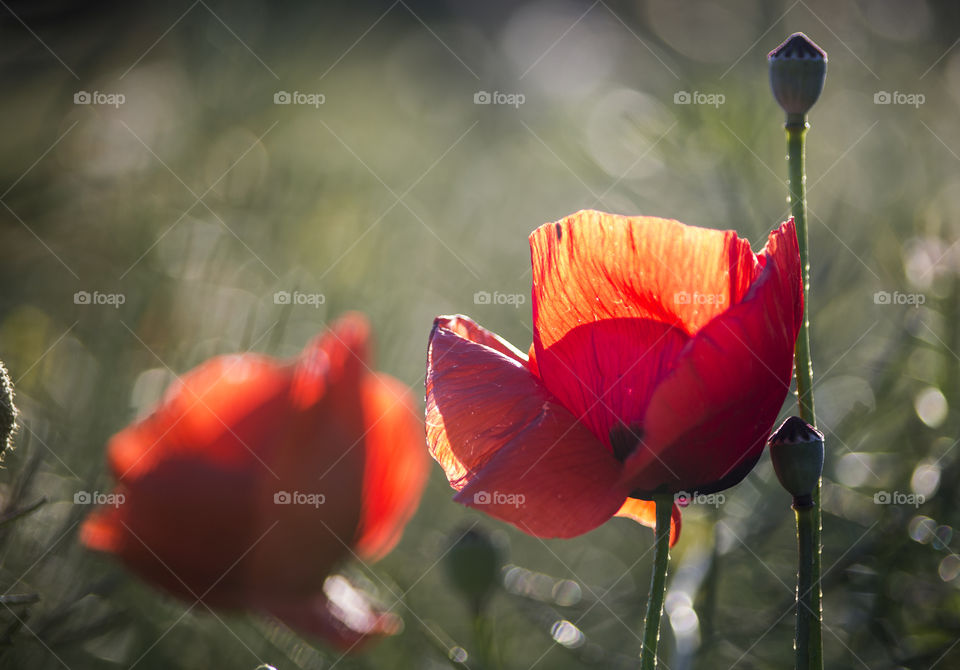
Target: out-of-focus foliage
pixel 141 238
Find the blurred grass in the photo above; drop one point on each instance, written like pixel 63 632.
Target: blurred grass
pixel 400 197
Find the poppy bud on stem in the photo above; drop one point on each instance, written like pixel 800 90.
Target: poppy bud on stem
pixel 658 582
pixel 798 68
pixel 796 449
pixel 474 562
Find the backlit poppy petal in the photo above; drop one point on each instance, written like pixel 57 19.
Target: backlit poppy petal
pixel 254 477
pixel 605 372
pixel 645 512
pixel 396 465
pixel 459 447
pixel 509 446
pixel 615 298
pixel 593 266
pixel 198 413
pixel 709 419
pixel 320 455
pixel 469 329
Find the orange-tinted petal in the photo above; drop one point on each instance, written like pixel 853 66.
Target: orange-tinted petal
pixel 709 419
pixel 396 465
pixel 593 266
pixel 615 297
pixel 198 413
pixel 319 455
pixel 510 448
pixel 645 512
pixel 200 475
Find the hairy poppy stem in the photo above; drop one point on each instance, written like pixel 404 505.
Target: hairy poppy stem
pixel 805 586
pixel 798 69
pixel 658 583
pixel 809 644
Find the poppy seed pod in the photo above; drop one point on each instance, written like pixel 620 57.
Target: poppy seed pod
pixel 798 68
pixel 796 449
pixel 473 566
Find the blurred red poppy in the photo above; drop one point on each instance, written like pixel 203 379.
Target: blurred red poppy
pixel 662 354
pixel 254 477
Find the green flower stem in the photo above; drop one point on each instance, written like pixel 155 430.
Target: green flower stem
pixel 809 644
pixel 796 152
pixel 485 641
pixel 805 590
pixel 658 582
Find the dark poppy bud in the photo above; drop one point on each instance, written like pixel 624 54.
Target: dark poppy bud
pixel 8 411
pixel 798 68
pixel 796 449
pixel 473 566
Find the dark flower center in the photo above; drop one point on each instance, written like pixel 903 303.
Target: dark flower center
pixel 625 439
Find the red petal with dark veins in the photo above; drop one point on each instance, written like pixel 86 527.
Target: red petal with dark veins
pixel 615 298
pixel 709 419
pixel 605 372
pixel 511 449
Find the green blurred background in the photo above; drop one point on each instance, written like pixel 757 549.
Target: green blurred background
pixel 198 198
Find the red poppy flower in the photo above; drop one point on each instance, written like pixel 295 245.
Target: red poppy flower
pixel 661 356
pixel 255 477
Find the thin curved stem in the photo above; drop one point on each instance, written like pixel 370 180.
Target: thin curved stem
pixel 809 643
pixel 658 583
